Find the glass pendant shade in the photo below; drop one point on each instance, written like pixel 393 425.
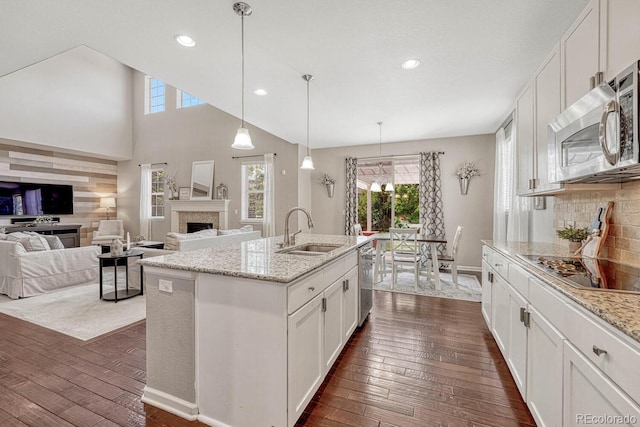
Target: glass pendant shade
pixel 242 141
pixel 389 187
pixel 307 163
pixel 375 187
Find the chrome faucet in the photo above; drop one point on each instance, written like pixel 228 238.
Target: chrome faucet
pixel 288 241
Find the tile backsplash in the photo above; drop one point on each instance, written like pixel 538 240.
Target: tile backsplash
pixel 623 241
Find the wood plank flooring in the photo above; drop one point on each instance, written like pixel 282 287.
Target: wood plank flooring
pixel 418 361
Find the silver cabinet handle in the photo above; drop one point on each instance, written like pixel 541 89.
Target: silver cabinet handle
pixel 311 289
pixel 598 351
pixel 499 265
pixel 490 277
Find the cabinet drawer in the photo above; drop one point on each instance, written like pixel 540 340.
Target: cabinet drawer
pixel 350 260
pixel 500 265
pixel 519 279
pixel 487 253
pixel 335 270
pixel 621 362
pixel 548 303
pixel 304 291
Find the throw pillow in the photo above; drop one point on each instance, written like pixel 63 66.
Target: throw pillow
pixel 31 241
pixel 231 231
pixel 54 242
pixel 246 228
pixel 3 236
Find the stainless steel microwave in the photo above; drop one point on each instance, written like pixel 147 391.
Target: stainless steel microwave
pixel 595 140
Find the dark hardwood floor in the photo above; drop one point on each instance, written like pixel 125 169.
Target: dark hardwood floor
pixel 418 361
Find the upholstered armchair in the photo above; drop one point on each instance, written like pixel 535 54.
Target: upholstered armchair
pixel 107 231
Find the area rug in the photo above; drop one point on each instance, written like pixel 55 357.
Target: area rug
pixel 468 288
pixel 76 311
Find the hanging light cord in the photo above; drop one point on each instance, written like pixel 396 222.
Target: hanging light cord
pixel 242 60
pixel 308 102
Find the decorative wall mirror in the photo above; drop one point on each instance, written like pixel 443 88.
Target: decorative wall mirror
pixel 202 180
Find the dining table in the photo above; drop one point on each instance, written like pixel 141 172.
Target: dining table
pixel 433 242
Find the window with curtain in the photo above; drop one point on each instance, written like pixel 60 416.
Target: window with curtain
pixel 504 184
pixel 158 177
pixel 507 169
pixel 253 191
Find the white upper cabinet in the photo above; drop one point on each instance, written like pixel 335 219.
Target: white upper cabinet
pixel 547 106
pixel 581 53
pixel 622 36
pixel 525 144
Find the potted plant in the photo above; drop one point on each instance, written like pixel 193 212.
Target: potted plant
pixel 574 235
pixel 329 183
pixel 465 173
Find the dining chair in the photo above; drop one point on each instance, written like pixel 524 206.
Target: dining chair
pixel 380 261
pixel 357 230
pixel 451 260
pixel 404 252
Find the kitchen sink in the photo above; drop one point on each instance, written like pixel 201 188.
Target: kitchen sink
pixel 310 249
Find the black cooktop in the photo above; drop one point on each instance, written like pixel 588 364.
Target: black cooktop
pixel 589 273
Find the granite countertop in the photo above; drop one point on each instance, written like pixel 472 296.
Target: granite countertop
pixel 622 310
pixel 259 259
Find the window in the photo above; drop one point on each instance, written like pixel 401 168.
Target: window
pixel 154 95
pixel 184 100
pixel 507 183
pixel 253 191
pixel 157 193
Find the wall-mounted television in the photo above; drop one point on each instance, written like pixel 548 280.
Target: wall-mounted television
pixel 23 198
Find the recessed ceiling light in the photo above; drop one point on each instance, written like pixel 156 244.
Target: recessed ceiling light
pixel 410 64
pixel 260 92
pixel 185 41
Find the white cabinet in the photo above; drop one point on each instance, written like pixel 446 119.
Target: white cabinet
pixel 305 355
pixel 623 34
pixel 544 370
pixel 589 393
pixel 333 304
pixel 516 355
pixel 487 286
pixel 351 312
pixel 581 53
pixel 500 313
pixel 524 128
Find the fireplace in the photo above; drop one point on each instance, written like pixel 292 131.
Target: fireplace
pixel 192 227
pixel 215 212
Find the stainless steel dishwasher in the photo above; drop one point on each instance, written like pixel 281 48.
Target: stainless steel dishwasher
pixel 365 279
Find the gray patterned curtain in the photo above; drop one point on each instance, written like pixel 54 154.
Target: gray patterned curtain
pixel 431 211
pixel 351 205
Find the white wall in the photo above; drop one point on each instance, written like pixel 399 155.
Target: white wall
pixel 473 211
pixel 182 136
pixel 79 100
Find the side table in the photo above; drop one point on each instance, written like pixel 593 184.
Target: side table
pixel 120 260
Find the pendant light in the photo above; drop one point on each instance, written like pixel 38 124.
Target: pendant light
pixel 376 187
pixel 242 140
pixel 307 162
pixel 389 186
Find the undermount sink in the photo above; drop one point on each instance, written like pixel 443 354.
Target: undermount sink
pixel 310 249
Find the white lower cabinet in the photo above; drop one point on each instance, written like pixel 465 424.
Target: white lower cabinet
pixel 569 366
pixel 544 370
pixel 590 397
pixel 317 333
pixel 305 355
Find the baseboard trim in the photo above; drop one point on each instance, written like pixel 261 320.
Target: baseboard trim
pixel 211 422
pixel 170 403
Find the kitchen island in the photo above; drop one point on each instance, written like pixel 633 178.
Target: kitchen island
pixel 243 335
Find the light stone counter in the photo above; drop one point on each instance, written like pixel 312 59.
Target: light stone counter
pixel 622 310
pixel 258 259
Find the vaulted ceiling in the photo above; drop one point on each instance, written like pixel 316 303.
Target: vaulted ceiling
pixel 476 56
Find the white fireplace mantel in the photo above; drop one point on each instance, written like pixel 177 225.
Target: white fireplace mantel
pixel 217 205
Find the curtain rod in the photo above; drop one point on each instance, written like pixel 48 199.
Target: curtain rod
pixel 159 163
pixel 400 156
pixel 253 155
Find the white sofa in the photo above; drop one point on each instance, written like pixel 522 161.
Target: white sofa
pixel 25 274
pixel 181 242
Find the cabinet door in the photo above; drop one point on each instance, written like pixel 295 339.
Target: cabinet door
pixel 623 34
pixel 544 371
pixel 589 393
pixel 350 293
pixel 581 54
pixel 486 292
pixel 517 341
pixel 547 106
pixel 524 140
pixel 333 322
pixel 500 313
pixel 305 364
